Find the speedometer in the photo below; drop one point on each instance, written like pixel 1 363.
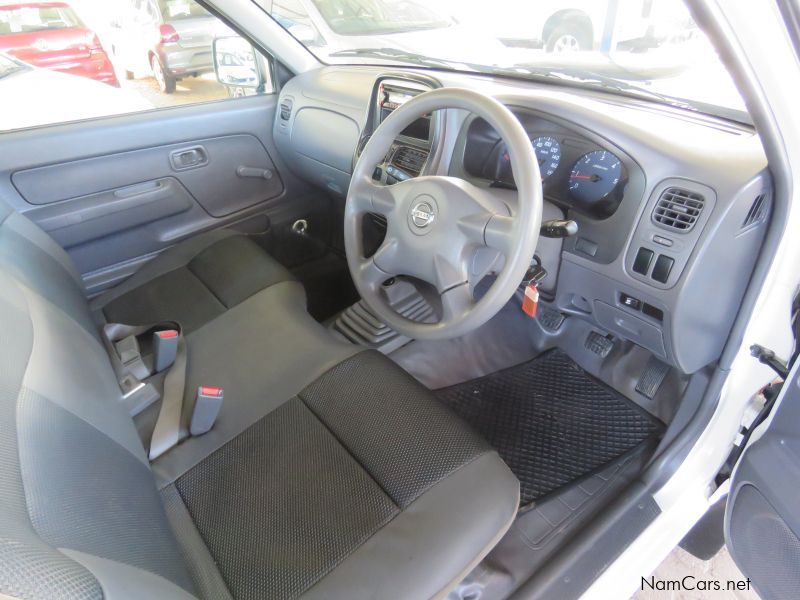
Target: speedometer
pixel 548 152
pixel 594 176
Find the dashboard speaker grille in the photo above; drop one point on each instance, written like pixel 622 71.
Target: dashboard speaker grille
pixel 678 209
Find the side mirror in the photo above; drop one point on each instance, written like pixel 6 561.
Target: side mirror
pixel 235 63
pixel 305 34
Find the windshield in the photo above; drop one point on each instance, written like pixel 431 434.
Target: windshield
pixel 32 18
pixel 371 17
pixel 647 48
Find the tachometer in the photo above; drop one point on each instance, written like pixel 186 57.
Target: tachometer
pixel 594 176
pixel 548 151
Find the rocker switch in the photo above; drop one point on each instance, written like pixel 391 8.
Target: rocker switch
pixel 641 263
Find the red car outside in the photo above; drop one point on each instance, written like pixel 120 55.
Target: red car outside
pixel 50 35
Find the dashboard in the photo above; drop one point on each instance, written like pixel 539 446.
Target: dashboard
pixel 665 200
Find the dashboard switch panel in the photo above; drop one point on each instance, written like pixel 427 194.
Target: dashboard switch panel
pixel 586 247
pixel 643 259
pixel 663 268
pixel 630 301
pixel 660 239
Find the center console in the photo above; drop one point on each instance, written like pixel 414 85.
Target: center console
pixel 410 153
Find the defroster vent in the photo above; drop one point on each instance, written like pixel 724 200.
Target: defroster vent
pixel 758 211
pixel 678 209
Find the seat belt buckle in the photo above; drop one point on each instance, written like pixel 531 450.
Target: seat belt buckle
pixel 165 349
pixel 206 409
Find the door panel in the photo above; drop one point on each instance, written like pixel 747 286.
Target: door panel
pixel 116 191
pixel 762 519
pixel 212 170
pixel 100 215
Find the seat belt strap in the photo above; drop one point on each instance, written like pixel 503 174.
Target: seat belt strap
pixel 167 431
pixel 168 342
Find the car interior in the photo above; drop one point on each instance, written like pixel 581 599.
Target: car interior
pixel 357 402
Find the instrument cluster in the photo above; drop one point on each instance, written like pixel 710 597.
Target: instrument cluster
pixel 576 171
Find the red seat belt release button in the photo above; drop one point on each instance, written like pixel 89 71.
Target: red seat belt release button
pixel 530 301
pixel 206 409
pixel 165 349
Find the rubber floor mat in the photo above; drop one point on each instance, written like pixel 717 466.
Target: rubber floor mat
pixel 550 421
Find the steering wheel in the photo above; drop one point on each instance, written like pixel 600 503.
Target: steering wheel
pixel 438 226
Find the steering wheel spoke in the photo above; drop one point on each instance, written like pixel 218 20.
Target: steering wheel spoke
pixel 371 274
pixel 499 234
pixel 370 196
pixel 456 302
pixel 387 257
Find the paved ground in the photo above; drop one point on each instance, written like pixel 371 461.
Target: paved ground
pixel 679 564
pixel 188 91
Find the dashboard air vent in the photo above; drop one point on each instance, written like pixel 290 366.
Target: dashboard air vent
pixel 678 209
pixel 758 211
pixel 410 160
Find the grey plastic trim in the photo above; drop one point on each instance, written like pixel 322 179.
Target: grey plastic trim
pixel 106 260
pixel 106 213
pixel 213 181
pixel 681 243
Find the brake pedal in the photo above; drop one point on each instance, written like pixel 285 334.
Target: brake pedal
pixel 599 344
pixel 550 319
pixel 651 379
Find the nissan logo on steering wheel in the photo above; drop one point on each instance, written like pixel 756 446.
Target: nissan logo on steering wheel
pixel 422 214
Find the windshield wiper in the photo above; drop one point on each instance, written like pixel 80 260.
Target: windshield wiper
pixel 394 54
pixel 618 85
pixel 585 78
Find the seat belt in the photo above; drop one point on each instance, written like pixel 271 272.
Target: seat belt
pixel 126 359
pixel 168 424
pixel 131 369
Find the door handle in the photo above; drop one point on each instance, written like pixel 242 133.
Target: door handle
pixel 188 158
pixel 254 172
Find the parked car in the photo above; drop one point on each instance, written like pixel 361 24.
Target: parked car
pixel 581 25
pixel 33 96
pixel 170 39
pixel 51 35
pixel 337 28
pixel 236 66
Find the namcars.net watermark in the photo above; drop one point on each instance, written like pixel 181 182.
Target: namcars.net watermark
pixel 691 583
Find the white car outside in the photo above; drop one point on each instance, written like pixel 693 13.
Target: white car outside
pixel 33 96
pixel 428 33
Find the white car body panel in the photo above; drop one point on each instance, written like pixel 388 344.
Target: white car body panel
pixel 28 99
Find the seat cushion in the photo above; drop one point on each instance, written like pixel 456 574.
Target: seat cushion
pixel 193 283
pixel 329 472
pixel 349 460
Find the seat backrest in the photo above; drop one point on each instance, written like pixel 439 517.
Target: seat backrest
pixel 81 516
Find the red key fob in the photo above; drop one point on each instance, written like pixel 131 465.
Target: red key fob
pixel 530 301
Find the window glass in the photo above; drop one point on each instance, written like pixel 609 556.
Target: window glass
pixel 647 48
pixel 79 59
pixel 181 9
pixel 28 19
